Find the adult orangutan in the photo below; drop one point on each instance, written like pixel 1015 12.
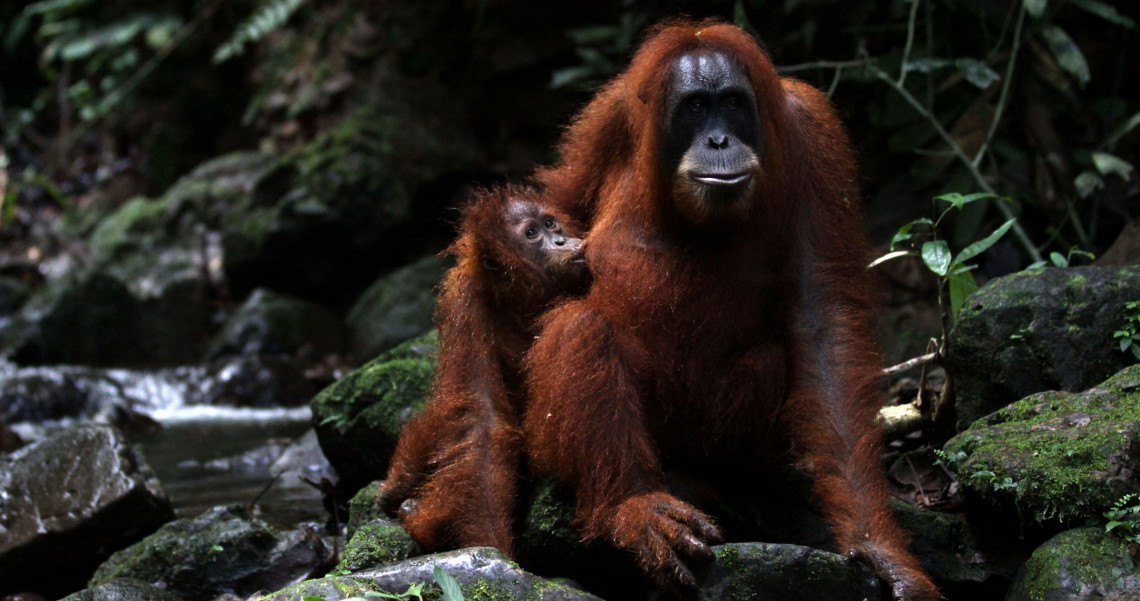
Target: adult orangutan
pixel 459 459
pixel 728 323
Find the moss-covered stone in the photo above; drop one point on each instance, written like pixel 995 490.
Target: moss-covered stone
pixel 275 324
pixel 1056 454
pixel 123 589
pixel 757 571
pixel 222 550
pixel 1038 330
pixel 378 543
pixel 396 307
pixel 358 418
pixel 1085 563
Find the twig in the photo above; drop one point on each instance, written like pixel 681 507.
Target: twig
pixel 909 41
pixel 1005 85
pixel 924 360
pixel 823 65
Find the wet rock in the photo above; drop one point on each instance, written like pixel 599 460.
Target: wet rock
pixel 13 293
pixel 482 573
pixel 123 589
pixel 745 571
pixel 395 308
pixel 222 550
pixel 275 324
pixel 69 501
pixel 1045 329
pixel 251 381
pixel 1055 454
pixel 363 508
pixel 950 553
pixel 1078 565
pixel 358 419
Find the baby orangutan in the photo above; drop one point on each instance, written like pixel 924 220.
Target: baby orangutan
pixel 458 461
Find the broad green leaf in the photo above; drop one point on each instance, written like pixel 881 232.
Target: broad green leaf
pixel 936 255
pixel 1109 163
pixel 1086 183
pixel 904 232
pixel 977 72
pixel 1105 11
pixel 1058 259
pixel 448 585
pixel 1068 55
pixel 1035 8
pixel 887 257
pixel 961 287
pixel 980 246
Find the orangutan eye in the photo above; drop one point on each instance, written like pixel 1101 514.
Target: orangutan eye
pixel 531 233
pixel 697 105
pixel 549 223
pixel 732 102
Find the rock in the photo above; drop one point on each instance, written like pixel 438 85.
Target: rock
pixel 274 324
pixel 745 571
pixel 1126 249
pixel 222 550
pixel 123 589
pixel 1078 565
pixel 363 508
pixel 358 418
pixel 330 216
pixel 395 308
pixel 13 293
pixel 377 543
pixel 482 573
pixel 250 381
pixel 68 502
pixel 950 553
pixel 1039 330
pixel 1056 454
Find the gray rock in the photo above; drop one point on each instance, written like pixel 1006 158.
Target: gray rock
pixel 222 550
pixel 69 501
pixel 123 589
pixel 275 324
pixel 745 571
pixel 1045 329
pixel 482 573
pixel 395 308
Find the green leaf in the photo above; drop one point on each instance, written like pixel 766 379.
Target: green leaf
pixel 448 585
pixel 1105 11
pixel 1035 8
pixel 962 285
pixel 1058 259
pixel 980 246
pixel 958 201
pixel 936 255
pixel 1111 164
pixel 1068 55
pixel 977 72
pixel 1087 182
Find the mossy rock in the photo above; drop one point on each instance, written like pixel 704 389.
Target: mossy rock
pixel 378 543
pixel 1039 330
pixel 396 307
pixel 1085 563
pixel 358 419
pixel 1056 454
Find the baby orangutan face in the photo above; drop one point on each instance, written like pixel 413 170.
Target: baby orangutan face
pixel 542 238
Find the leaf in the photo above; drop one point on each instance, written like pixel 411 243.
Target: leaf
pixel 927 65
pixel 1111 164
pixel 448 585
pixel 887 257
pixel 1125 343
pixel 980 246
pixel 1035 8
pixel 958 201
pixel 1058 259
pixel 962 286
pixel 1068 55
pixel 1086 183
pixel 936 255
pixel 1105 11
pixel 977 72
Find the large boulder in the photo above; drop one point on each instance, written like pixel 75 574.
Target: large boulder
pixel 68 502
pixel 269 323
pixel 1078 565
pixel 1055 454
pixel 395 308
pixel 358 419
pixel 223 550
pixel 1038 330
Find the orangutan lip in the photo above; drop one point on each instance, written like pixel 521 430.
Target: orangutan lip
pixel 734 179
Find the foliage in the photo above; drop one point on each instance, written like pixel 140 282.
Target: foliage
pixel 1129 334
pixel 269 17
pixel 449 589
pixel 953 271
pixel 1123 518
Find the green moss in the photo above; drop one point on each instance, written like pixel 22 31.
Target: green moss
pixel 1052 451
pixel 376 544
pixel 1085 558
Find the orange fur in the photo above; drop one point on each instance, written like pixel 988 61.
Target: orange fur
pixel 745 342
